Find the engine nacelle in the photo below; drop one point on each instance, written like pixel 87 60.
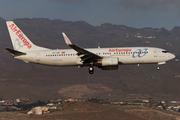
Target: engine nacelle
pixel 115 67
pixel 110 61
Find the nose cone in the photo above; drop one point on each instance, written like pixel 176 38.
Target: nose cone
pixel 172 56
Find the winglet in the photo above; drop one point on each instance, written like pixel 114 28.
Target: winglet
pixel 68 42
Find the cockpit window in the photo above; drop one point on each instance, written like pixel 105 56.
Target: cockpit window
pixel 165 51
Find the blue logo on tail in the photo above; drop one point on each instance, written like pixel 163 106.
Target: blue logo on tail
pixel 18 44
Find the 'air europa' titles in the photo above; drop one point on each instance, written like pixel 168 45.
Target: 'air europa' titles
pixel 119 50
pixel 20 35
pixel 67 40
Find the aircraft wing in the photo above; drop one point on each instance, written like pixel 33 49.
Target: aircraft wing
pixel 86 56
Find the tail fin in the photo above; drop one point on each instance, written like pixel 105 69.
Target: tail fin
pixel 19 40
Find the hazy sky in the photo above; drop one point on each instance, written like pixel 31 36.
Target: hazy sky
pixel 132 13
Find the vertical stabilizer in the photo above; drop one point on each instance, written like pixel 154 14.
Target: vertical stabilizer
pixel 19 40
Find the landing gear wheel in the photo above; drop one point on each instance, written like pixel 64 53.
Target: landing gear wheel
pixel 158 68
pixel 91 70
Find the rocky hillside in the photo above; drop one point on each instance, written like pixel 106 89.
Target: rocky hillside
pixel 145 79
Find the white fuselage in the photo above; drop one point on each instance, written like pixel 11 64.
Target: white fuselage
pixel 104 58
pixel 126 55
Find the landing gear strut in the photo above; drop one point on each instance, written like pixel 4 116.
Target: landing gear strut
pixel 160 63
pixel 91 70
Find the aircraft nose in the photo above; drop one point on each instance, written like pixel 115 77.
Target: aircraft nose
pixel 172 56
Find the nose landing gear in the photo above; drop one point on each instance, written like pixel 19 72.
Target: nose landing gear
pixel 160 63
pixel 158 68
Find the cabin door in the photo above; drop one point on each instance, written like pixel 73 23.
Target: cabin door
pixel 155 52
pixel 38 56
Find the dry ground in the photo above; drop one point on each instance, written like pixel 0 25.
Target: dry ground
pixel 93 111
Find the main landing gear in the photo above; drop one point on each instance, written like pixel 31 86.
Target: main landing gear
pixel 91 70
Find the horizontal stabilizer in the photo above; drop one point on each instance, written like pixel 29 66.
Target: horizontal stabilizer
pixel 14 52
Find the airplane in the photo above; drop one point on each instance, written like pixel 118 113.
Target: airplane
pixel 104 58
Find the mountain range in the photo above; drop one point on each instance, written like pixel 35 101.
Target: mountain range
pixel 19 79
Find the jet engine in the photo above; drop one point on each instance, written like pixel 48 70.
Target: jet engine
pixel 109 63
